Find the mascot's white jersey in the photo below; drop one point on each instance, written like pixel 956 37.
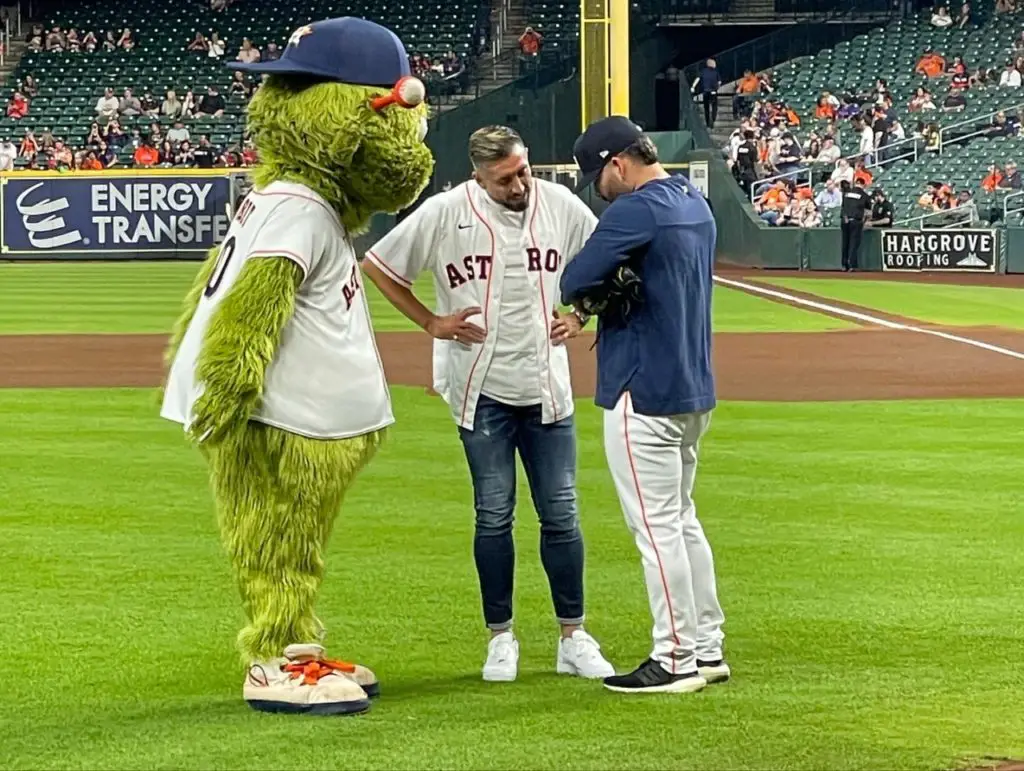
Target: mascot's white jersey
pixel 507 263
pixel 326 380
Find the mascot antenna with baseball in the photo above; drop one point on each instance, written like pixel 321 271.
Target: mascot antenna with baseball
pixel 273 369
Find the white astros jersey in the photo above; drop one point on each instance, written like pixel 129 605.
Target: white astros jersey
pixel 482 254
pixel 326 380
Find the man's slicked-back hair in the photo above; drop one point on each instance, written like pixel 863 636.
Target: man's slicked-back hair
pixel 643 150
pixel 493 143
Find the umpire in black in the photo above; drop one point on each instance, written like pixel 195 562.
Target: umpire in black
pixel 854 207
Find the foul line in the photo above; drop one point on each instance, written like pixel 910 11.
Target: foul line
pixel 755 289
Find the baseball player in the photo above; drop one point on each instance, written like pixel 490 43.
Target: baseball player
pixel 655 383
pixel 496 247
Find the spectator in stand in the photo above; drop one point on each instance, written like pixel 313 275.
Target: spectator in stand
pixel 211 104
pixel 931 64
pixel 166 152
pixel 1011 179
pixel 867 138
pixel 746 88
pixel 150 106
pixel 17 108
pixel 1006 6
pixel 29 145
pixel 106 105
pixel 843 172
pixel 960 81
pixel 89 42
pixel 248 52
pixel 74 43
pixel 772 202
pixel 215 47
pixel 91 162
pixel 955 101
pixel 8 152
pixel 826 107
pixel 921 101
pixel 239 85
pixel 271 53
pixel 126 41
pixel 991 182
pixel 62 155
pixel 109 41
pixel 115 136
pixel 205 154
pixel 812 150
pixel 707 83
pixel 830 152
pixel 155 135
pixel 107 155
pixel 146 154
pixel 94 137
pixel 29 87
pixel 788 160
pixel 249 156
pixel 847 109
pixel 178 133
pixel 861 175
pixel 130 104
pixel 1010 78
pixel 807 214
pixel 941 18
pixel 829 197
pixel 188 104
pixel 530 42
pixel 35 43
pixel 135 140
pixel 198 43
pixel 171 108
pixel 55 40
pixel 36 31
pixel 184 155
pixel 47 140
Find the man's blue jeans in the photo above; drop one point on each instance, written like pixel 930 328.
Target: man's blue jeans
pixel 548 453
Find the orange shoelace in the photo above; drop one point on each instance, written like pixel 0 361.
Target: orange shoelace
pixel 311 671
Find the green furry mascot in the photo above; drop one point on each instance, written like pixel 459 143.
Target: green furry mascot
pixel 273 368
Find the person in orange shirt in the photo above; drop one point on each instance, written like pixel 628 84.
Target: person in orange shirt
pixel 748 85
pixel 773 202
pixel 91 163
pixel 931 65
pixel 862 175
pixel 995 176
pixel 146 155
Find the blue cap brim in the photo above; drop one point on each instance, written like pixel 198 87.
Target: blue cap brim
pixel 285 67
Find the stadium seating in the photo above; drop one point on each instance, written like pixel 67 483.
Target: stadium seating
pixel 891 52
pixel 71 83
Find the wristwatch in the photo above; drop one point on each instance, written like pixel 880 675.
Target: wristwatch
pixel 581 317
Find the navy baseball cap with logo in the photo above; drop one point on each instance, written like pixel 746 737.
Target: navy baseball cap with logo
pixel 602 140
pixel 345 50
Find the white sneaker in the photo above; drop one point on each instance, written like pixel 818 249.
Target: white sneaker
pixel 304 682
pixel 581 655
pixel 713 670
pixel 502 658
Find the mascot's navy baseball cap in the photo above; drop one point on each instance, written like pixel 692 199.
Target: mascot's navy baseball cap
pixel 346 50
pixel 602 140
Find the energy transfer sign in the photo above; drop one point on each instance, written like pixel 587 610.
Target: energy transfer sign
pixel 111 217
pixel 964 251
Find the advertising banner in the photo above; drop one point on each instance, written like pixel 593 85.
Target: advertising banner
pixel 963 251
pixel 105 217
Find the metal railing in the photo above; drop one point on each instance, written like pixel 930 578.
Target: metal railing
pixel 498 31
pixel 962 216
pixel 757 188
pixel 1017 198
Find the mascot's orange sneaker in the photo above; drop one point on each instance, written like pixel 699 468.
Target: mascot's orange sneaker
pixel 305 682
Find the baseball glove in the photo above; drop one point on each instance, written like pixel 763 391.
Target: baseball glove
pixel 617 298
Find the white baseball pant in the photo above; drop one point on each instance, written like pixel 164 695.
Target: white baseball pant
pixel 653 461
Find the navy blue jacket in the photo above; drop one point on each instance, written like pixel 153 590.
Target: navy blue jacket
pixel 710 80
pixel 662 353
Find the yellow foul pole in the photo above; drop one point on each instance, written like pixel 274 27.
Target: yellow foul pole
pixel 604 59
pixel 619 58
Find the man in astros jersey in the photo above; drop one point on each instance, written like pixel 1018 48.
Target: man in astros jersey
pixel 496 246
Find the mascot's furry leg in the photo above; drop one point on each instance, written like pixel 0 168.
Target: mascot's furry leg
pixel 277 495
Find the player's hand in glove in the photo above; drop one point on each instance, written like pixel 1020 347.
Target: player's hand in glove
pixel 215 416
pixel 617 298
pixel 455 327
pixel 564 327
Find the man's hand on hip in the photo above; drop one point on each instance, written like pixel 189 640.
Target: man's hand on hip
pixel 455 327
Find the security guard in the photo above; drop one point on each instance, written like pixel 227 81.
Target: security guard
pixel 746 161
pixel 855 204
pixel 882 212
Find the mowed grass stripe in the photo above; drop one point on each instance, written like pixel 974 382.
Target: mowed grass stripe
pixel 146 298
pixel 948 304
pixel 870 580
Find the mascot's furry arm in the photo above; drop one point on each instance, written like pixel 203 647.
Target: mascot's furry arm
pixel 241 341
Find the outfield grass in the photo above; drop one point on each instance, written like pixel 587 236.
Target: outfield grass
pixel 872 582
pixel 934 303
pixel 146 297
